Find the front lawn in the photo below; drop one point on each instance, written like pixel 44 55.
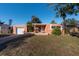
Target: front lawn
pixel 43 45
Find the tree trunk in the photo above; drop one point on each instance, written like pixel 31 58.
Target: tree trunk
pixel 64 25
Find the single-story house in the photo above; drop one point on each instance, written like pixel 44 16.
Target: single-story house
pixel 37 28
pixel 4 29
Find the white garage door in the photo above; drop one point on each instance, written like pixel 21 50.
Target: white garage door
pixel 20 30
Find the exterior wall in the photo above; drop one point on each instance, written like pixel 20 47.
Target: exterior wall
pixel 14 29
pixel 25 28
pixel 48 28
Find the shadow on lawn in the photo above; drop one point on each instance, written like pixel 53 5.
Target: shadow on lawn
pixel 75 34
pixel 14 43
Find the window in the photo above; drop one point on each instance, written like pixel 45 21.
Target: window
pixel 53 27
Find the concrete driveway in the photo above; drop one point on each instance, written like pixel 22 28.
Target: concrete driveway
pixel 5 40
pixel 13 37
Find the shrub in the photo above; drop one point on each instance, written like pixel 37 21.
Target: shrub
pixel 56 31
pixel 30 29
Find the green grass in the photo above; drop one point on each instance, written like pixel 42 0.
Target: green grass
pixel 43 46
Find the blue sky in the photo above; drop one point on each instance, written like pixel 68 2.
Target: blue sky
pixel 21 13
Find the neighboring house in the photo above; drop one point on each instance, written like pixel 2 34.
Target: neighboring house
pixel 38 28
pixel 77 26
pixel 4 29
pixel 73 28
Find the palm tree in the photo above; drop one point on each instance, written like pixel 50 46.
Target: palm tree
pixel 10 22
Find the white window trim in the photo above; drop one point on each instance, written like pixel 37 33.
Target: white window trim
pixel 51 27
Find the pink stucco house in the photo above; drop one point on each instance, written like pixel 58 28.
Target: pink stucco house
pixel 38 28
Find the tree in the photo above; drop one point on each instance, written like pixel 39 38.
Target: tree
pixel 2 22
pixel 71 21
pixel 53 22
pixel 30 23
pixel 65 9
pixel 35 19
pixel 10 22
pixel 29 26
pixel 10 27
